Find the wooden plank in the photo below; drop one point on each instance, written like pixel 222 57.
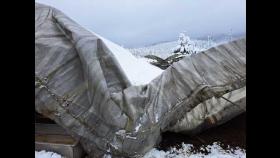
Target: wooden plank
pixel 51 137
pixel 49 129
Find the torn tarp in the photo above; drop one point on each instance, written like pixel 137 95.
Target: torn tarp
pixel 82 87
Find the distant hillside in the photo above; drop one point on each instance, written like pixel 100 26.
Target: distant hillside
pixel 165 49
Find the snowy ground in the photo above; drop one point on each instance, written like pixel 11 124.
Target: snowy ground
pixel 46 154
pixel 209 151
pixel 165 49
pixel 185 151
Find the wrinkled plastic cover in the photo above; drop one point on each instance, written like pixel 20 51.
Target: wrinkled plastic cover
pixel 81 86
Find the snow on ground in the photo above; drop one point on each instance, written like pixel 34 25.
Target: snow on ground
pixel 46 154
pixel 162 50
pixel 165 49
pixel 185 151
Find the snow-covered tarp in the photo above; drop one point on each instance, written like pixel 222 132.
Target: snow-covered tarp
pixel 86 86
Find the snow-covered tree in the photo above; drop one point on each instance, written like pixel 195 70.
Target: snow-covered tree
pixel 229 36
pixel 184 45
pixel 210 41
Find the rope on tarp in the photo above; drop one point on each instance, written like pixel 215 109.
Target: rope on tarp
pixel 233 103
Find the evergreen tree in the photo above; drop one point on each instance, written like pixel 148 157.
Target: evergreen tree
pixel 183 45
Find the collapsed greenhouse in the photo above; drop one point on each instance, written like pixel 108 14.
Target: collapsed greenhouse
pixel 84 87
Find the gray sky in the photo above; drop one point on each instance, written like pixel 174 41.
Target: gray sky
pixel 135 23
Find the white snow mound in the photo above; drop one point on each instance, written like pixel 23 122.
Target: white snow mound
pixel 46 154
pixel 138 71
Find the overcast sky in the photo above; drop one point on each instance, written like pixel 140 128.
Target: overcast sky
pixel 135 23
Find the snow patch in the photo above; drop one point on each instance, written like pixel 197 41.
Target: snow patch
pixel 138 127
pixel 46 154
pixel 107 156
pixel 186 151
